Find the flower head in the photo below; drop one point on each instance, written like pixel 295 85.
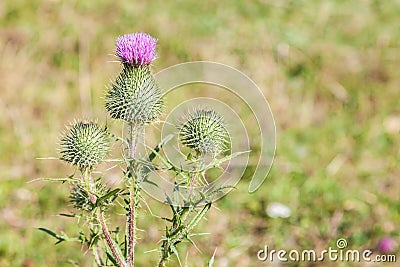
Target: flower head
pixel 84 145
pixel 278 210
pixel 136 49
pixel 387 245
pixel 204 131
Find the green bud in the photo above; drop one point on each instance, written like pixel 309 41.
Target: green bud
pixel 204 131
pixel 135 96
pixel 83 199
pixel 80 198
pixel 84 145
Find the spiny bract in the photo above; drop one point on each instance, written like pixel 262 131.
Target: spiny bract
pixel 84 145
pixel 204 131
pixel 135 96
pixel 83 199
pixel 79 198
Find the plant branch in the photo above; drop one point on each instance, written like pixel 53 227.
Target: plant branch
pixel 114 250
pixel 179 232
pixel 161 262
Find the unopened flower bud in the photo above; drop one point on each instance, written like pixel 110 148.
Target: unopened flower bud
pixel 204 131
pixel 84 145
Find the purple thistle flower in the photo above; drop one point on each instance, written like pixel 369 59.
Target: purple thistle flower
pixel 136 49
pixel 387 245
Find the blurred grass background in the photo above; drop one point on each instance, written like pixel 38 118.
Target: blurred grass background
pixel 329 69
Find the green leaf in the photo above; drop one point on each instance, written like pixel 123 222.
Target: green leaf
pixel 198 217
pixel 49 232
pixel 72 215
pixel 166 231
pixel 169 201
pixel 61 238
pixel 82 237
pixel 175 251
pixel 165 162
pixel 108 195
pixel 191 241
pixel 111 257
pixel 159 146
pixel 125 247
pixel 218 162
pixel 94 240
pixel 63 180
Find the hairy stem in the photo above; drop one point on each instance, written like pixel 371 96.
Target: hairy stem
pixel 93 224
pixel 114 250
pixel 134 131
pixel 131 231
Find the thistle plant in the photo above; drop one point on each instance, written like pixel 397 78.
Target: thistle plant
pixel 135 99
pixel 203 131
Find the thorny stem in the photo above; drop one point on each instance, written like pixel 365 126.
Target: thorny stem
pixel 132 140
pixel 94 225
pixel 194 177
pixel 131 231
pixel 89 184
pixel 87 178
pixel 110 242
pixel 191 183
pixel 177 233
pixel 161 263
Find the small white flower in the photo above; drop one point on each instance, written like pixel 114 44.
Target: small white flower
pixel 278 210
